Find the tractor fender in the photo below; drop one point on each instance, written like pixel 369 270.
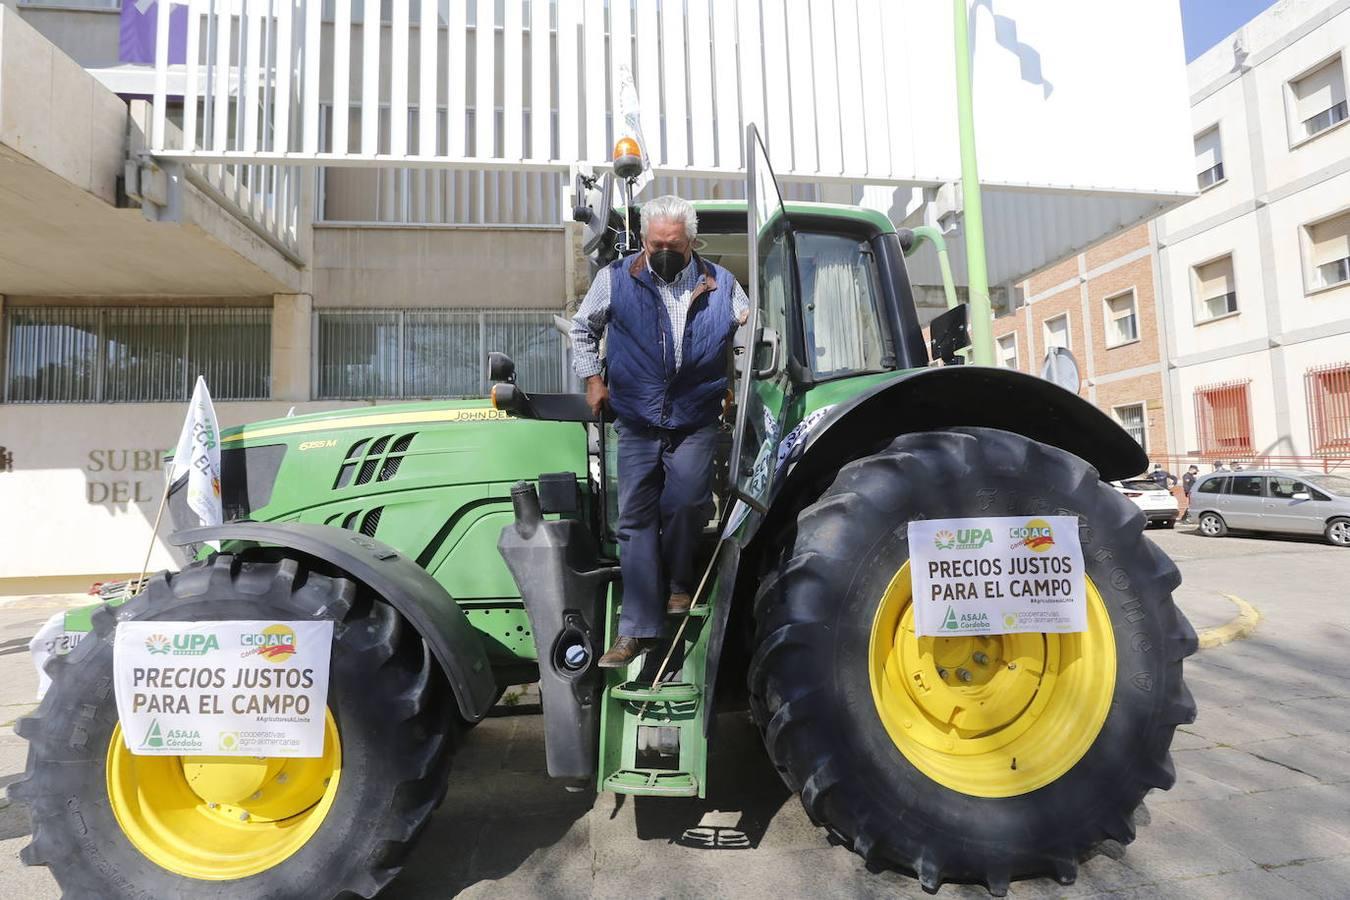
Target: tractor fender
pixel 950 396
pixel 399 581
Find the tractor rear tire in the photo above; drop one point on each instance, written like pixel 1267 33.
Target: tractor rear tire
pixel 391 707
pixel 813 681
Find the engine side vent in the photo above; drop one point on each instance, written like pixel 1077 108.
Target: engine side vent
pixel 371 522
pixel 395 457
pixel 368 459
pixel 350 521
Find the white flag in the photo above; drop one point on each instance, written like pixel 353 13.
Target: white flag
pixel 198 457
pixel 630 123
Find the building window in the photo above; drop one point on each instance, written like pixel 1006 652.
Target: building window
pixel 424 353
pixel 1214 291
pixel 1328 393
pixel 136 354
pixel 1208 158
pixel 1223 418
pixel 1007 351
pixel 1327 252
pixel 1057 332
pixel 1131 418
pixel 1122 319
pixel 1317 100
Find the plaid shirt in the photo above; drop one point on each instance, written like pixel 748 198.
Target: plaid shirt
pixel 589 322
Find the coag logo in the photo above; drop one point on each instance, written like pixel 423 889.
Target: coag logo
pixel 962 538
pixel 157 644
pixel 1036 536
pixel 275 643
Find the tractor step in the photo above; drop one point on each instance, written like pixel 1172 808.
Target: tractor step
pixel 652 783
pixel 665 692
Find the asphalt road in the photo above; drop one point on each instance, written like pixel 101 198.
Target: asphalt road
pixel 1261 807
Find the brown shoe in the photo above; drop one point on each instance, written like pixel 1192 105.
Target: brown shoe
pixel 624 651
pixel 678 604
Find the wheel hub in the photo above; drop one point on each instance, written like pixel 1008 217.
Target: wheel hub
pixel 991 716
pixel 218 818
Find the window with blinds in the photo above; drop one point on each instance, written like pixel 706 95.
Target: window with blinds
pixel 1122 319
pixel 1223 418
pixel 1327 249
pixel 432 353
pixel 1208 158
pixel 1318 100
pixel 1214 289
pixel 1328 393
pixel 135 354
pixel 1131 418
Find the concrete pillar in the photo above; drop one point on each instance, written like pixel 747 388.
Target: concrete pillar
pixel 291 346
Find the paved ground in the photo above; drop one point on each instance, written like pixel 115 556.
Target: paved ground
pixel 1261 807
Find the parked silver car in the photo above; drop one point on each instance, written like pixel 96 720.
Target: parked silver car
pixel 1273 500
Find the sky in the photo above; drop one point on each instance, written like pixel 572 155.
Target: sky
pixel 1207 22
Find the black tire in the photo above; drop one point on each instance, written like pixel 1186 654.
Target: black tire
pixel 1338 532
pixel 393 708
pixel 809 677
pixel 1211 524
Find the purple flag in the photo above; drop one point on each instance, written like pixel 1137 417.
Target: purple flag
pixel 138 31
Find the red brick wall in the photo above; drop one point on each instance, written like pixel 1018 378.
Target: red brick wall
pixel 1137 275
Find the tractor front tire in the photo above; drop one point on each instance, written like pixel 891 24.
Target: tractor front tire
pixel 110 824
pixel 967 759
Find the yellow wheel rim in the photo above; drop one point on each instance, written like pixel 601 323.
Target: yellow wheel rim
pixel 990 716
pixel 217 818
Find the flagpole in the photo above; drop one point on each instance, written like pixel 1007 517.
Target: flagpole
pixel 154 533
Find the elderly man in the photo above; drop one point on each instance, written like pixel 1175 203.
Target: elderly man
pixel 670 318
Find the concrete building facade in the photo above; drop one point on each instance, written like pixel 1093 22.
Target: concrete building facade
pixel 1256 270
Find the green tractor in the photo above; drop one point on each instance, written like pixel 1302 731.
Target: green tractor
pixel 462 547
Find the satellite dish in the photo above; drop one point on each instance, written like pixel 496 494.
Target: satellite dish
pixel 1061 368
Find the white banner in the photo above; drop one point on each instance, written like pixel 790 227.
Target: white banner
pixel 997 575
pixel 198 456
pixel 237 688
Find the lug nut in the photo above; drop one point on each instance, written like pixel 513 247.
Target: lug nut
pixel 964 675
pixel 1012 666
pixel 281 779
pixel 213 805
pixel 942 673
pixel 243 817
pixel 981 658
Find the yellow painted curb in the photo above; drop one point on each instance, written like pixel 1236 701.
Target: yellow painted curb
pixel 1238 628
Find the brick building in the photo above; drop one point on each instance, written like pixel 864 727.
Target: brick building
pixel 1102 305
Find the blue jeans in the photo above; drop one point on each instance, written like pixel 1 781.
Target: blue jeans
pixel 665 498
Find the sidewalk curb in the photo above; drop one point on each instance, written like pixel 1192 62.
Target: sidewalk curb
pixel 1234 630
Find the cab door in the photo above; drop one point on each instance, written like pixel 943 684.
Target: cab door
pixel 762 385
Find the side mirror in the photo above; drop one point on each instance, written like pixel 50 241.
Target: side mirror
pixel 501 368
pixel 951 332
pixel 1302 495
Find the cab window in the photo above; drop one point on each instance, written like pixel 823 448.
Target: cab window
pixel 841 305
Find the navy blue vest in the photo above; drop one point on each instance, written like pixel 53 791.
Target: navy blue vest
pixel 645 388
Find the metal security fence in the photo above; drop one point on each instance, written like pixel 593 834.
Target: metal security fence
pixel 1328 395
pixel 135 354
pixel 370 354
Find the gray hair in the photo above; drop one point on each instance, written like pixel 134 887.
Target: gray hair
pixel 671 209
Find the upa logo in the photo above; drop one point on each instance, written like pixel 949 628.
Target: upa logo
pixel 1036 536
pixel 962 538
pixel 190 644
pixel 275 643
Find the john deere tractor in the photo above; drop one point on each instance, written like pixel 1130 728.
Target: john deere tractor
pixel 461 547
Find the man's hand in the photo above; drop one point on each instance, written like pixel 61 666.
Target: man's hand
pixel 597 395
pixel 742 317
